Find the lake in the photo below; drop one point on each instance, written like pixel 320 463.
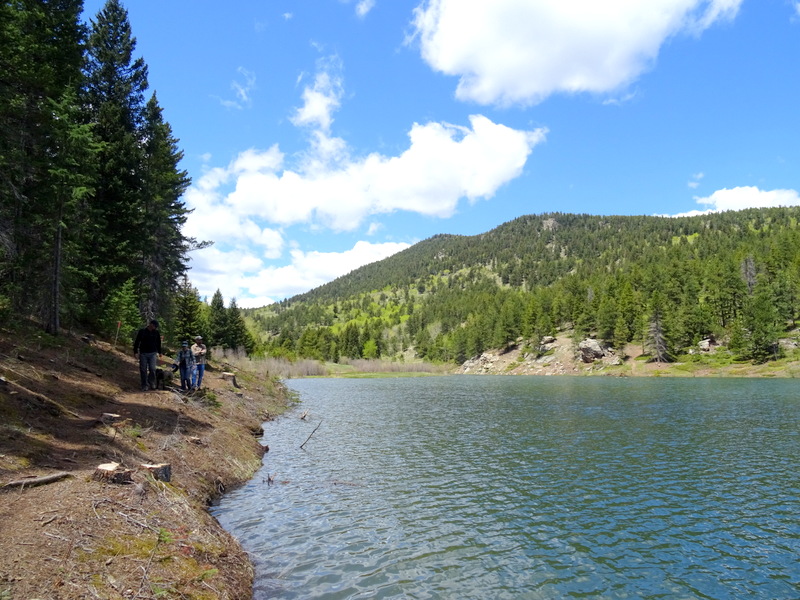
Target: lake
pixel 498 487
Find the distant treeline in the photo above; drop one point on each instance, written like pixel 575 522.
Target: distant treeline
pixel 665 282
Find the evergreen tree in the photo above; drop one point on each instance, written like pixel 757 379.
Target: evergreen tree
pixel 238 336
pixel 218 321
pixel 163 247
pixel 186 320
pixel 114 97
pixel 761 326
pixel 656 340
pixel 120 314
pixel 40 59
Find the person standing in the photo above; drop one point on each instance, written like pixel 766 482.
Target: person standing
pixel 185 360
pixel 199 350
pixel 147 348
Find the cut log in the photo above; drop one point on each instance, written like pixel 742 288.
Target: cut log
pixel 22 483
pixel 160 472
pixel 112 473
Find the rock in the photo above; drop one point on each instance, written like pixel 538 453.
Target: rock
pixel 591 350
pixel 548 339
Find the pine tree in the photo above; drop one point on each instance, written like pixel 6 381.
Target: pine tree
pixel 656 340
pixel 40 59
pixel 120 313
pixel 217 321
pixel 238 336
pixel 186 319
pixel 163 247
pixel 114 97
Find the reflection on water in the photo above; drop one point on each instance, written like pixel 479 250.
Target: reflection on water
pixel 516 487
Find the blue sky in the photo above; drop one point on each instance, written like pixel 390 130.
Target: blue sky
pixel 323 135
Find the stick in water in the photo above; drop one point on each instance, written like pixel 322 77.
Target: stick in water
pixel 309 437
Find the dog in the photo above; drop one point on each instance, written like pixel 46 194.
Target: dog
pixel 160 376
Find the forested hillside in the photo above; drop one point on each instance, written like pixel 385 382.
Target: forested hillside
pixel 664 282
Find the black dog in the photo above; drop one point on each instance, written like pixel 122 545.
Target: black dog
pixel 160 379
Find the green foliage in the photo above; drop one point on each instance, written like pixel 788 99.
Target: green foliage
pixel 120 307
pixel 186 315
pixel 667 283
pixel 90 187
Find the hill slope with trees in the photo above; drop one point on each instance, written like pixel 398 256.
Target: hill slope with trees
pixel 666 283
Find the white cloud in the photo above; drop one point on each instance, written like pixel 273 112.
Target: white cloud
pixel 242 88
pixel 248 207
pixel 443 164
pixel 363 7
pixel 319 102
pixel 694 181
pixel 739 198
pixel 521 51
pixel 255 285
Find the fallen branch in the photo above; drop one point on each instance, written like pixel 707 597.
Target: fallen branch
pixel 309 437
pixel 36 480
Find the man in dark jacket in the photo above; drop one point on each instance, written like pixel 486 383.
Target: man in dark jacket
pixel 147 347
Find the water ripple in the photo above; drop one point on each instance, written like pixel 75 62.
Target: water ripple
pixel 529 488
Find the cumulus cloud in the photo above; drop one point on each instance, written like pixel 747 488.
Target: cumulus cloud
pixel 249 206
pixel 254 284
pixel 521 51
pixel 739 198
pixel 320 100
pixel 443 164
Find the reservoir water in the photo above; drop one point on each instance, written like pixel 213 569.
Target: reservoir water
pixel 527 487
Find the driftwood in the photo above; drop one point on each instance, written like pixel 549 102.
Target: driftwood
pixel 160 472
pixel 31 481
pixel 232 377
pixel 112 473
pixel 309 437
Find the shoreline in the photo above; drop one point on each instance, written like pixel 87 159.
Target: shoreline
pixel 79 537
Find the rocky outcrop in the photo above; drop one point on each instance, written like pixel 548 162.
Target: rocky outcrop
pixel 591 350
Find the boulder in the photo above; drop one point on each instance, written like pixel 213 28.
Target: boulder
pixel 591 350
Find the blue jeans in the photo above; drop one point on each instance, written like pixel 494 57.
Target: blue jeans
pixel 197 375
pixel 186 375
pixel 147 369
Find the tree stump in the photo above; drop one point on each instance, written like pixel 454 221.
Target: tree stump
pixel 160 472
pixel 112 473
pixel 230 377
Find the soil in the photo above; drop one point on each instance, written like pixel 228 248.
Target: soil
pixel 79 537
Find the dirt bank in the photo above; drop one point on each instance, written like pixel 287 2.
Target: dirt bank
pixel 78 537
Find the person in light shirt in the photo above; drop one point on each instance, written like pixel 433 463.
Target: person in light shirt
pixel 199 350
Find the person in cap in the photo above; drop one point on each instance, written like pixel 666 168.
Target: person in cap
pixel 147 348
pixel 199 350
pixel 185 360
